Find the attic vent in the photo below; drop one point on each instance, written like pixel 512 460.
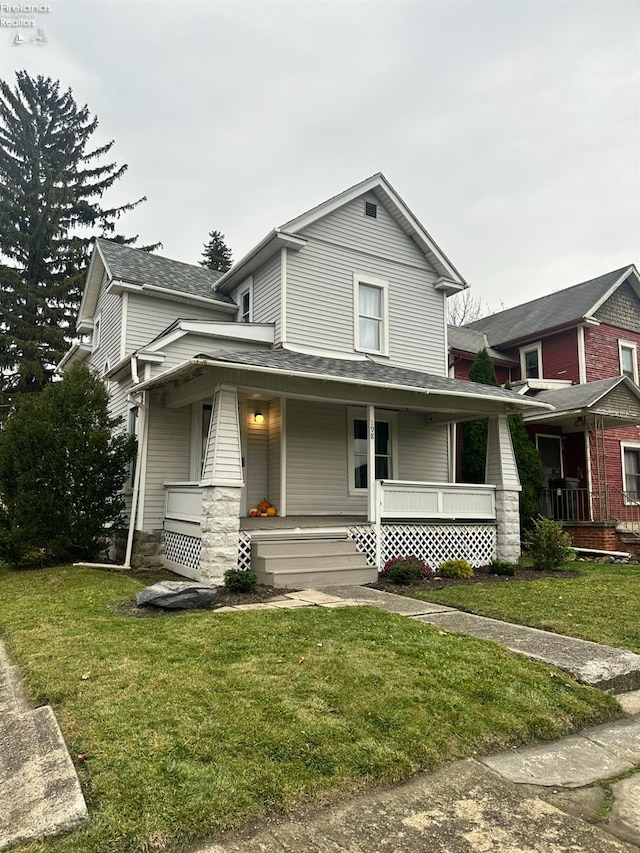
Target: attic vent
pixel 371 209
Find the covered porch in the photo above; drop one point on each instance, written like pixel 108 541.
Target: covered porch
pixel 306 443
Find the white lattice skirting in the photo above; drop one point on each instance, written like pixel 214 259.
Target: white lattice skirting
pixel 182 549
pixel 433 543
pixel 244 551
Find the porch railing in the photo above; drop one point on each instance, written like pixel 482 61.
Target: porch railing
pixel 609 504
pixel 183 502
pixel 409 499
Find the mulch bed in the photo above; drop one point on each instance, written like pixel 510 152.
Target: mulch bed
pixel 481 575
pixel 224 598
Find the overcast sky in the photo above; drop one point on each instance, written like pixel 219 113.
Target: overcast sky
pixel 510 127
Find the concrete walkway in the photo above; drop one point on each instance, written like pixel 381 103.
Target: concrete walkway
pixel 39 789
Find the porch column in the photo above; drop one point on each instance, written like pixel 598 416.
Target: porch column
pixel 502 472
pixel 371 463
pixel 221 484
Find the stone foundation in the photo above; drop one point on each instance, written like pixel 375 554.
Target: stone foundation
pixel 220 527
pixel 148 549
pixel 508 518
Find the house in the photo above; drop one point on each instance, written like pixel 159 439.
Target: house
pixel 576 349
pixel 312 374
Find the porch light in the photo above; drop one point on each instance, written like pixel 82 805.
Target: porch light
pixel 258 418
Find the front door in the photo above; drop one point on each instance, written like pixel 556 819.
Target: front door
pixel 550 449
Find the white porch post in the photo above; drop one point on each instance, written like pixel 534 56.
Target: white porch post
pixel 221 485
pixel 371 463
pixel 502 472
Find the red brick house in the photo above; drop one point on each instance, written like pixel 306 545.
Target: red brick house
pixel 576 349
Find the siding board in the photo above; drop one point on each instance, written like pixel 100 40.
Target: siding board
pixel 148 316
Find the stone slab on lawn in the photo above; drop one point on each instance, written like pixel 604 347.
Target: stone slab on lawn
pixel 385 600
pixel 624 820
pixel 461 808
pixel 39 789
pixel 176 595
pixel 613 670
pixel 621 738
pixel 570 762
pixel 630 701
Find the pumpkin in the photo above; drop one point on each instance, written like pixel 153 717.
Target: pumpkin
pixel 253 512
pixel 263 506
pixel 272 511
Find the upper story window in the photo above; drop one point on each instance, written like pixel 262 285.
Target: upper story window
pixel 531 361
pixel 628 360
pixel 371 314
pixel 245 302
pixel 95 339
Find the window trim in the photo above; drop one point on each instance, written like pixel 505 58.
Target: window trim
pixel 627 445
pixel 245 287
pixel 622 344
pixel 358 413
pixel 537 347
pixel 383 285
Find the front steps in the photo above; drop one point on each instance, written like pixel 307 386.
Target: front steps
pixel 309 560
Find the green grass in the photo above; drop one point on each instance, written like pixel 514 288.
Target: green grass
pixel 602 605
pixel 196 724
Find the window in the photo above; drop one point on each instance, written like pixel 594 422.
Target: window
pixel 359 451
pixel 631 472
pixel 95 340
pixel 207 408
pixel 370 300
pixel 245 302
pixel 550 449
pixel 628 360
pixel 531 362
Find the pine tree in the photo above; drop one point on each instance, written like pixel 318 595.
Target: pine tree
pixel 51 185
pixel 216 254
pixel 474 433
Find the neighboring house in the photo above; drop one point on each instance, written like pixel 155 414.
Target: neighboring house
pixel 577 350
pixel 312 374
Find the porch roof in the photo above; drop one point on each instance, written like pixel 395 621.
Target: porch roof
pixel 617 399
pixel 354 371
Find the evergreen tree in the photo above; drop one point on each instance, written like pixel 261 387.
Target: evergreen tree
pixel 62 467
pixel 474 433
pixel 530 469
pixel 216 254
pixel 51 185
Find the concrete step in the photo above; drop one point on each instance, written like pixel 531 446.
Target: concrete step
pixel 13 696
pixel 303 562
pixel 39 789
pixel 303 547
pixel 300 579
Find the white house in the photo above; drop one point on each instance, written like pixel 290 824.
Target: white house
pixel 312 374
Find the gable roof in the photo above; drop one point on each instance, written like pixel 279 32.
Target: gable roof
pixel 135 266
pixel 617 399
pixel 557 310
pixel 470 342
pixel 450 279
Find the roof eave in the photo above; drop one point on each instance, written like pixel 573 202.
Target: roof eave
pixel 261 253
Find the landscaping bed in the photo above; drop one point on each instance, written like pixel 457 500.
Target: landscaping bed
pixel 481 575
pixel 184 728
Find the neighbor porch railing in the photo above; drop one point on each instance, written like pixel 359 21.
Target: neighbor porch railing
pixel 609 504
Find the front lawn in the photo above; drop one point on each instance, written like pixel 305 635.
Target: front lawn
pixel 602 604
pixel 198 723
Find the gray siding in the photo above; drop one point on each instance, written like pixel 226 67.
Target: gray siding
pixel 621 309
pixel 275 431
pixel 320 291
pixel 148 316
pixel 317 475
pixel 168 456
pixel 422 449
pixel 223 458
pixel 257 462
pixel 191 345
pixel 267 296
pixel 109 306
pixel 620 401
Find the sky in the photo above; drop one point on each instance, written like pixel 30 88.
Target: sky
pixel 511 128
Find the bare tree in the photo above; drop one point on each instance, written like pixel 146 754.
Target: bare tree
pixel 465 308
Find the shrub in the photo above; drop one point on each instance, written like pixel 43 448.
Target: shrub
pixel 62 467
pixel 503 567
pixel 548 545
pixel 239 580
pixel 406 570
pixel 459 569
